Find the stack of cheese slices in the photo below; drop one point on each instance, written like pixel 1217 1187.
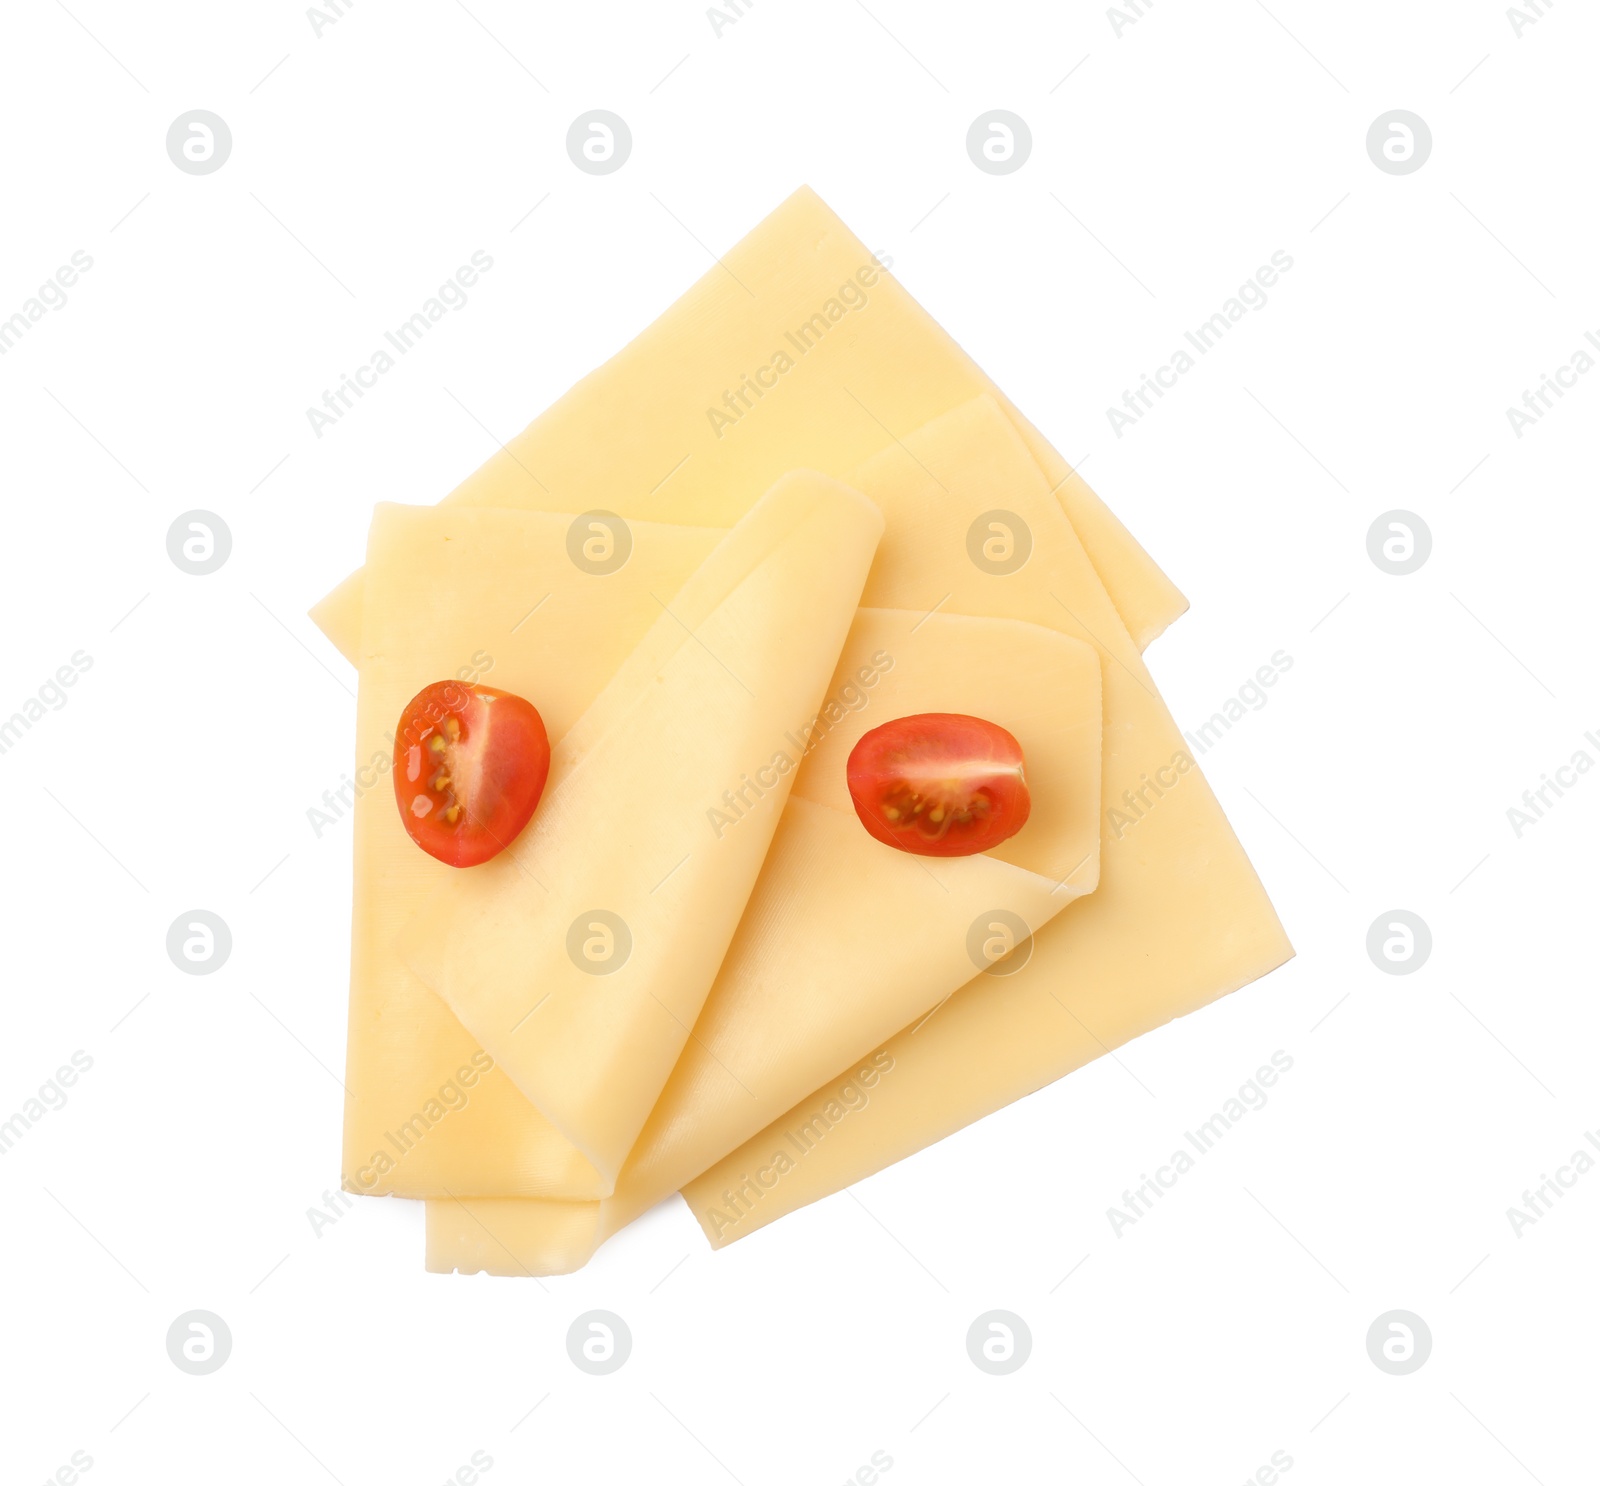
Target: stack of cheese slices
pixel 791 511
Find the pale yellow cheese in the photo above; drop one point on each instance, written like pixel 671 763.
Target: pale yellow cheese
pixel 459 591
pixel 844 939
pixel 581 956
pixel 1179 917
pixel 798 351
pixel 509 1235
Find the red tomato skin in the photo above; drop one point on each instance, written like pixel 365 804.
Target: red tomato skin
pixel 920 756
pixel 497 764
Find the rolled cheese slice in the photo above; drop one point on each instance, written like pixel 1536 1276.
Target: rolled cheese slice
pixel 1179 917
pixel 844 939
pixel 581 956
pixel 495 596
pixel 798 350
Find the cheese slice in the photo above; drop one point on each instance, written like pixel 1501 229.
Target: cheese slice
pixel 1179 917
pixel 486 595
pixel 581 956
pixel 844 939
pixel 798 350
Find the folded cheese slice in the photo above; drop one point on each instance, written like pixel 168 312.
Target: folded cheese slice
pixel 581 956
pixel 1179 917
pixel 798 350
pixel 487 595
pixel 844 940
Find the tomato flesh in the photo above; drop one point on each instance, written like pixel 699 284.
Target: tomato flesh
pixel 470 764
pixel 939 784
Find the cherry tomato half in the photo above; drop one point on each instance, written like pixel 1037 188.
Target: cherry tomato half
pixel 470 764
pixel 939 784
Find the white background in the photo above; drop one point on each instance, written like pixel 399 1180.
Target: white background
pixel 1172 161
